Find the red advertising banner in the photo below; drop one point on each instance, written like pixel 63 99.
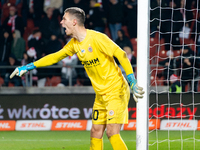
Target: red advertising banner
pixel 69 125
pixel 153 124
pixel 7 125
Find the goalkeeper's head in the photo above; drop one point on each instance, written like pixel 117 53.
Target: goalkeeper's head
pixel 73 22
pixel 76 13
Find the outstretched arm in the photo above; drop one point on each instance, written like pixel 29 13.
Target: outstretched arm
pixel 124 61
pixel 45 61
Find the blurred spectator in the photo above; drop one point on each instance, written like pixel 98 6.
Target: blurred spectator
pixel 69 72
pixel 18 45
pixel 131 17
pixel 171 25
pixel 5 49
pixel 0 13
pixel 13 22
pixel 53 46
pixel 15 80
pixel 196 30
pixel 5 1
pixel 35 40
pixel 56 4
pixel 49 25
pixel 96 18
pixel 185 10
pixel 189 72
pixel 130 56
pixel 105 5
pixel 38 50
pixel 122 40
pixel 115 17
pixel 83 4
pixel 26 59
pixel 169 65
pixel 82 77
pixel 175 84
pixel 154 17
pixel 32 9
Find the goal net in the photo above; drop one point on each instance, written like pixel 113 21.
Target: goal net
pixel 174 58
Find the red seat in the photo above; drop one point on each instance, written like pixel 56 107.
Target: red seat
pixel 161 55
pixel 177 53
pixel 134 44
pixel 153 47
pixel 12 2
pixel 55 80
pixel 107 31
pixel 5 12
pixel 161 44
pixel 1 81
pixel 155 80
pixel 10 84
pixel 124 28
pixel 29 29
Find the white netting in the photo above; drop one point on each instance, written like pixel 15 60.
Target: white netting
pixel 174 74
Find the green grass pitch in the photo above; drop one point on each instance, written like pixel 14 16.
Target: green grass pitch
pixel 80 140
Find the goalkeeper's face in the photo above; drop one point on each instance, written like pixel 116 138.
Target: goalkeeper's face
pixel 68 23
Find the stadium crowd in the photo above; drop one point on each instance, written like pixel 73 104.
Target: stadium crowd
pixel 30 29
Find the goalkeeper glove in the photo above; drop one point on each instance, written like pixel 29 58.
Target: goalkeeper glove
pixel 20 71
pixel 137 91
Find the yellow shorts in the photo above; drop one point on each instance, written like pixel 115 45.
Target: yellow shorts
pixel 112 108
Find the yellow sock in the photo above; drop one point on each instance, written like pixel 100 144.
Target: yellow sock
pixel 117 142
pixel 96 144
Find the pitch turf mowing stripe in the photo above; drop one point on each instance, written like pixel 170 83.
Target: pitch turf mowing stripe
pixel 80 140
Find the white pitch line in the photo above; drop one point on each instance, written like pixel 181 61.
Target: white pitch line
pixel 78 140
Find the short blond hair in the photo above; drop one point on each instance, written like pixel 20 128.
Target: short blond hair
pixel 78 13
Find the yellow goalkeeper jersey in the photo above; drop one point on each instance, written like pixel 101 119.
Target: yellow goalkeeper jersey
pixel 96 54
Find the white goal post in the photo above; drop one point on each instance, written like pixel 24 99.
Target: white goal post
pixel 142 119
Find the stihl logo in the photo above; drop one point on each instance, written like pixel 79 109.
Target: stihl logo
pixel 32 125
pixel 131 125
pixel 7 125
pixel 69 125
pixel 179 124
pixel 4 125
pixel 153 124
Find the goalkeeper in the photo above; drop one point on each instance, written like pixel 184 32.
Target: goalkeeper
pixel 95 50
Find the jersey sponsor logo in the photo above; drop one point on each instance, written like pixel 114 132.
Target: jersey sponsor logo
pixel 69 125
pixel 111 112
pixel 7 125
pixel 31 125
pixel 90 49
pixel 90 63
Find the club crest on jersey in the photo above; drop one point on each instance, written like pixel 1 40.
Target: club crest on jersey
pixel 82 51
pixel 90 49
pixel 111 112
